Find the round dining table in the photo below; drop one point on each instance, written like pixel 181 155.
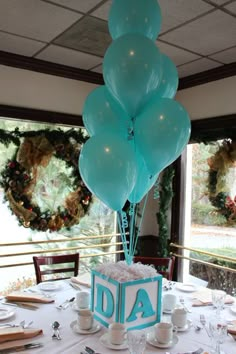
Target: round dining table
pixel 194 336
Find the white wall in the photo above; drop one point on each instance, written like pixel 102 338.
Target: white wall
pixel 213 99
pixel 30 89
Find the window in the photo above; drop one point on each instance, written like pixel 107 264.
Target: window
pixel 94 237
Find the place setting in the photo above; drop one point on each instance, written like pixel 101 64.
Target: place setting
pixel 84 324
pixel 163 335
pixel 116 337
pixel 82 300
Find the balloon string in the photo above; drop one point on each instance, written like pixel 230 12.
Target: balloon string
pixel 131 230
pixel 140 223
pixel 121 224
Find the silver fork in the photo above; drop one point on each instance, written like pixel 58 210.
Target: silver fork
pixel 21 324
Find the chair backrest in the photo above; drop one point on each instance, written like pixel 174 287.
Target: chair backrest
pixel 72 261
pixel 164 266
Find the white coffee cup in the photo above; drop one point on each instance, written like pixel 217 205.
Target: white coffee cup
pixel 164 332
pixel 179 317
pixel 169 302
pixel 117 333
pixel 85 319
pixel 83 299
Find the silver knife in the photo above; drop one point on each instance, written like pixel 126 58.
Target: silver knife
pixel 19 304
pixel 19 348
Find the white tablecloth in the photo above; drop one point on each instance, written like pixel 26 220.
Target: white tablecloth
pixel 73 343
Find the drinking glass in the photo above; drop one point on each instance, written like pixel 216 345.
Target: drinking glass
pixel 218 332
pixel 218 300
pixel 136 342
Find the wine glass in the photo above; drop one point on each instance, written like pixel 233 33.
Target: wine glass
pixel 218 332
pixel 218 300
pixel 136 341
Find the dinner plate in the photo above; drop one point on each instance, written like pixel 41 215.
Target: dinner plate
pixel 233 309
pixel 49 286
pixel 186 287
pixel 104 339
pixel 154 342
pixel 95 328
pixel 6 313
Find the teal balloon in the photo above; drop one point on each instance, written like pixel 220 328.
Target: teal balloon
pixel 132 16
pixel 144 182
pixel 161 133
pixel 132 71
pixel 102 113
pixel 169 80
pixel 107 167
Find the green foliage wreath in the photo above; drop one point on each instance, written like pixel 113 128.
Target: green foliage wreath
pixel 18 179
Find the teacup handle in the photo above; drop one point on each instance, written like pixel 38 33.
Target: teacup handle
pixel 175 329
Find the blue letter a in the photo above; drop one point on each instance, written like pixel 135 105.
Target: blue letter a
pixel 142 304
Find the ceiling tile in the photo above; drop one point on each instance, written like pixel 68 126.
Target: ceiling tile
pixel 209 34
pixel 19 45
pixel 69 57
pixel 103 11
pixel 35 19
pixel 196 67
pixel 227 56
pixel 89 35
pixel 98 69
pixel 231 7
pixel 179 56
pixel 79 5
pixel 174 13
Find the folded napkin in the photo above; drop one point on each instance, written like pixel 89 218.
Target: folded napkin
pixel 232 328
pixel 15 333
pixel 25 297
pixel 204 298
pixel 83 280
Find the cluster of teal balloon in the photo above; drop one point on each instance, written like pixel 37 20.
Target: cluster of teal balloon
pixel 136 128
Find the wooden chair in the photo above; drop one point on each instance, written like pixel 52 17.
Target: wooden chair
pixel 164 266
pixel 72 261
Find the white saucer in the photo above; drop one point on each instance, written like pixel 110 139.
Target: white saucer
pixel 186 287
pixel 168 312
pixel 186 327
pixel 6 313
pixel 49 286
pixel 76 308
pixel 153 341
pixel 74 326
pixel 104 339
pixel 233 309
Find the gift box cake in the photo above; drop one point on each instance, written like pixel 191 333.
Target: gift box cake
pixel 129 294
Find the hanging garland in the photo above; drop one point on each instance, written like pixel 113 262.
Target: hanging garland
pixel 165 198
pixel 19 177
pixel 219 165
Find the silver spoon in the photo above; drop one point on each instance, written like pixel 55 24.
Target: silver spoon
pixel 56 333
